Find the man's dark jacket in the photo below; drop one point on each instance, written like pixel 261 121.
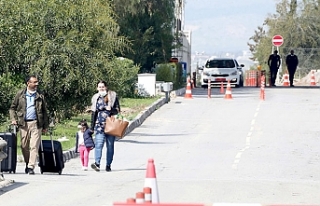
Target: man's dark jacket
pixel 292 61
pixel 19 106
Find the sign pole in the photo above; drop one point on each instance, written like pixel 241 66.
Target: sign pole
pixel 280 68
pixel 277 41
pixel 269 81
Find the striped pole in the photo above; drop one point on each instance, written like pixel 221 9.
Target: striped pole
pixel 209 88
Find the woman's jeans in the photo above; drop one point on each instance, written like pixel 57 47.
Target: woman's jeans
pixel 99 142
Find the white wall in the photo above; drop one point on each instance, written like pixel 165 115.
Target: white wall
pixel 186 49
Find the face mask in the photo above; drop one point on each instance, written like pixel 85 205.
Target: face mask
pixel 103 93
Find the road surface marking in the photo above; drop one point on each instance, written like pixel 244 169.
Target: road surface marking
pixel 248 139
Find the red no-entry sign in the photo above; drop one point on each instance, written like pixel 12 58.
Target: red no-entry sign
pixel 277 40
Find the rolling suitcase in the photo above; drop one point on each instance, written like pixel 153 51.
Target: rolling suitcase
pixel 51 156
pixel 10 163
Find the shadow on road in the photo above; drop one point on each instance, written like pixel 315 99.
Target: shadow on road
pixel 11 187
pixel 159 135
pixel 140 142
pixel 129 169
pixel 63 174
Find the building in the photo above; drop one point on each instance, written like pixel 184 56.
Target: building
pixel 182 50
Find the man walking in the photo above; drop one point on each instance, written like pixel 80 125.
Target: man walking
pixel 274 64
pixel 28 111
pixel 292 63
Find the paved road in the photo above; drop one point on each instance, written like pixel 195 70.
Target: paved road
pixel 205 150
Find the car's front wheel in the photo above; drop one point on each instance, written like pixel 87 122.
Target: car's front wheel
pixel 240 83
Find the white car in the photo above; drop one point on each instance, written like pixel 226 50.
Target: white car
pixel 222 70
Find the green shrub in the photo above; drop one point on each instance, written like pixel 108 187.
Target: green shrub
pixel 164 72
pixel 9 85
pixel 179 79
pixel 170 72
pixel 121 75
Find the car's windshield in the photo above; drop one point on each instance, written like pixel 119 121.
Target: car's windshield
pixel 225 63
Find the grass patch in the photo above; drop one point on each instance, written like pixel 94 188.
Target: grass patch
pixel 130 108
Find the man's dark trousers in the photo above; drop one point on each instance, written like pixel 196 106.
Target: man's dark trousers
pixel 291 71
pixel 273 75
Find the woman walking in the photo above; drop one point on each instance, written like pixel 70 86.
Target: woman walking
pixel 105 103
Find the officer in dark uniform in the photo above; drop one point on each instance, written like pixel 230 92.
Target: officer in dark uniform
pixel 292 63
pixel 274 62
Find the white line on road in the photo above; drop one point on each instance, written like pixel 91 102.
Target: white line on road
pixel 248 139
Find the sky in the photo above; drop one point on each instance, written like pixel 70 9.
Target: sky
pixel 220 26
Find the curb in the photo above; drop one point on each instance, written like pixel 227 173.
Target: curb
pixel 68 155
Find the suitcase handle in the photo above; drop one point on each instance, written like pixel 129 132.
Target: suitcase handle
pixel 13 128
pixel 53 153
pixel 52 146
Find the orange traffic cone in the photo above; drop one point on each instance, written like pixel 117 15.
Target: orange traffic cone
pixel 151 181
pixel 221 88
pixel 286 79
pixel 313 79
pixel 228 94
pixel 188 94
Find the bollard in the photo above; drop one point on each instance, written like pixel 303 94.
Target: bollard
pixel 147 195
pixel 209 88
pixel 221 88
pixel 194 76
pixel 139 197
pixel 262 89
pixel 131 200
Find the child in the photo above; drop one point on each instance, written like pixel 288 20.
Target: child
pixel 84 143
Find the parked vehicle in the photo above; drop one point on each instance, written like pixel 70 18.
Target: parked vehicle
pixel 222 70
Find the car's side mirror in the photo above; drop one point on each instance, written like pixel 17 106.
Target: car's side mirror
pixel 241 65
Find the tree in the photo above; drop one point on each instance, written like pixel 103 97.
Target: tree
pixel 299 26
pixel 148 24
pixel 68 43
